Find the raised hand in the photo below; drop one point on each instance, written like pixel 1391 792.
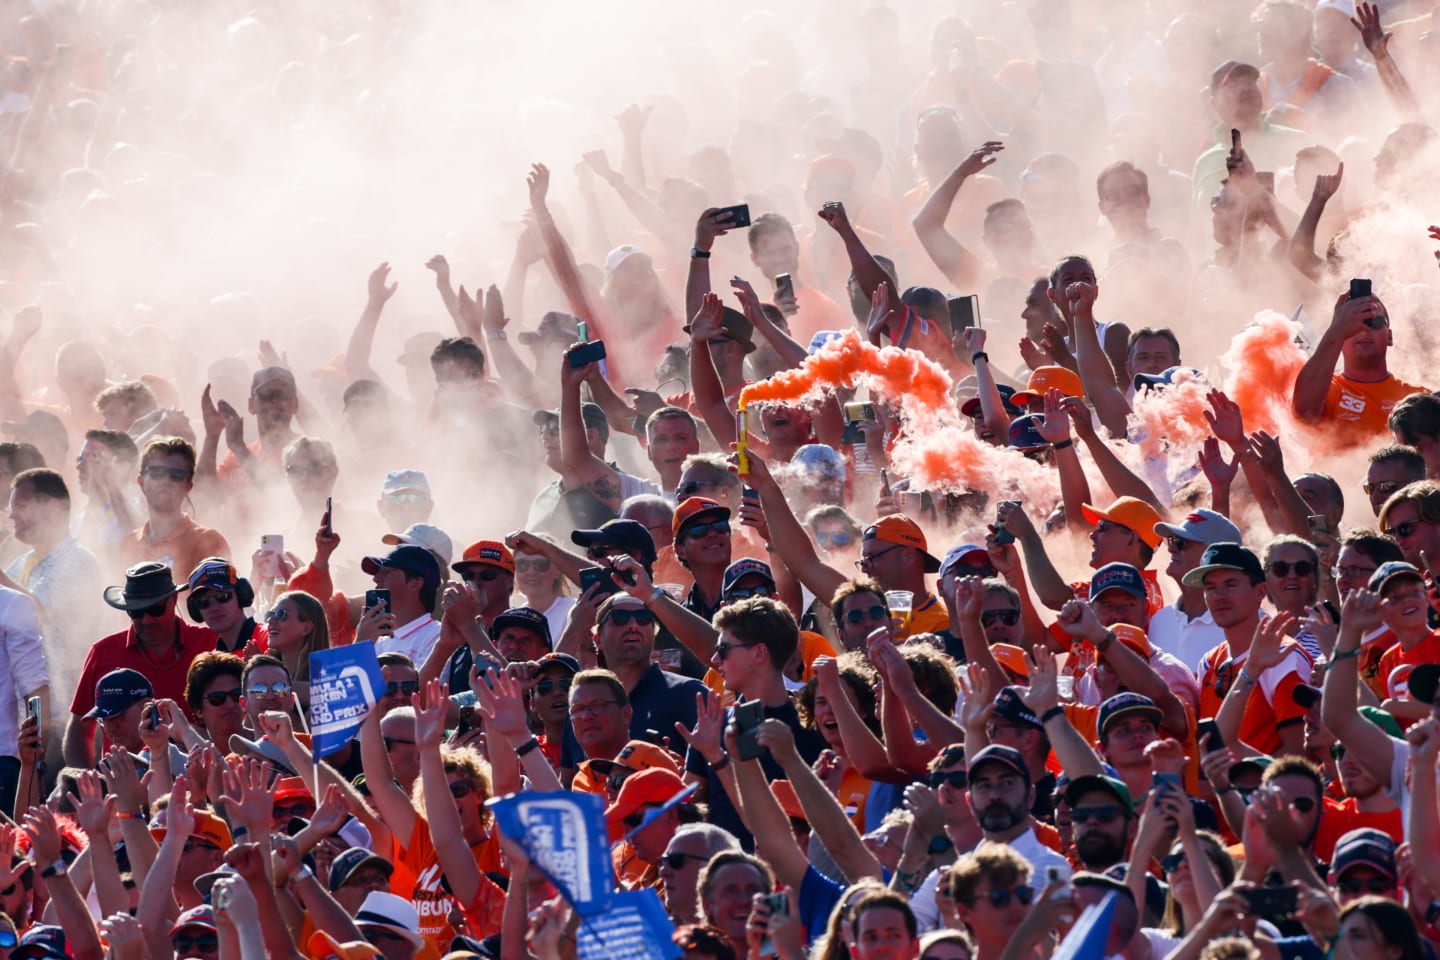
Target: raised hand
pixel 1055 427
pixel 330 815
pixel 118 769
pixel 777 737
pixel 1044 690
pixel 973 339
pixel 880 312
pixel 1212 463
pixel 538 183
pixel 1035 355
pixel 969 596
pixel 210 416
pixel 46 843
pixel 276 725
pixel 979 692
pixel 706 738
pixel 530 244
pixel 493 318
pixel 1372 34
pixel 1078 619
pixel 834 214
pixel 93 809
pixel 632 120
pixel 1266 449
pixel 248 861
pixel 1225 420
pixel 125 936
pixel 441 268
pixel 270 357
pixel 234 426
pixel 1080 297
pixel 980 158
pixel 1080 419
pixel 249 797
pixel 430 705
pixel 502 704
pixel 707 323
pixel 745 293
pixel 376 288
pixel 712 224
pixel 1326 184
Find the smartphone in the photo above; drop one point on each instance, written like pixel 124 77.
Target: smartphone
pixel 1235 141
pixel 1001 534
pixel 1318 525
pixel 272 548
pixel 1266 180
pixel 852 435
pixel 1207 732
pixel 750 493
pixel 859 411
pixel 749 714
pixel 1170 781
pixel 32 709
pixel 590 351
pixel 784 286
pixel 1053 875
pixel 377 597
pixel 964 313
pixel 739 215
pixel 467 717
pixel 779 904
pixel 1360 287
pixel 597 576
pixel 834 205
pixel 1271 902
pixel 329 517
pixel 152 716
pixel 884 482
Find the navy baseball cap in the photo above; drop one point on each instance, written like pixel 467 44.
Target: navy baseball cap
pixel 343 866
pixel 1225 556
pixel 999 753
pixel 526 618
pixel 42 940
pixel 1117 576
pixel 118 691
pixel 972 406
pixel 1010 708
pixel 743 568
pixel 1025 433
pixel 1387 572
pixel 1166 377
pixel 627 536
pixel 415 561
pixel 1125 704
pixel 1364 847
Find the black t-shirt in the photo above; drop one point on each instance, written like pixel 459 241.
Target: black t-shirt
pixel 659 700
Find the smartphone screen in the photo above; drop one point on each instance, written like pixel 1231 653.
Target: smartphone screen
pixel 964 313
pixel 748 717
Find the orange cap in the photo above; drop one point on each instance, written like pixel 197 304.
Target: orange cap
pixel 650 786
pixel 898 528
pixel 785 795
pixel 1043 378
pixel 208 828
pixel 1130 512
pixel 488 553
pixel 1133 637
pixel 1010 657
pixel 694 507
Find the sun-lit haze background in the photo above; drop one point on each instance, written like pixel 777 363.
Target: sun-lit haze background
pixel 240 168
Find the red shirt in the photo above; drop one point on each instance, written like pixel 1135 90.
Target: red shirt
pixel 1340 817
pixel 1426 651
pixel 166 673
pixel 1270 706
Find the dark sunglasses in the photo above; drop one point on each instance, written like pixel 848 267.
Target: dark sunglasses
pixel 459 789
pixel 1303 804
pixel 277 615
pixel 1302 568
pixel 1407 529
pixel 1105 814
pixel 1009 617
pixel 877 612
pixel 676 861
pixel 156 472
pixel 300 809
pixel 205 943
pixel 617 779
pixel 1000 899
pixel 637 818
pixel 1353 888
pixel 217 698
pixel 487 574
pixel 1171 862
pixel 552 685
pixel 154 613
pixel 407 687
pixel 744 593
pixel 722 650
pixel 959 779
pixel 214 598
pixel 832 540
pixel 698 531
pixel 620 618
pixel 1176 544
pixel 280 688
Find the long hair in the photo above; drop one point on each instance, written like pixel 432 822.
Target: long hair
pixel 310 611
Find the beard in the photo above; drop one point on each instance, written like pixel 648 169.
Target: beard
pixel 1097 850
pixel 997 818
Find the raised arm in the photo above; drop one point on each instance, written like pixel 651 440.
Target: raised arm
pixel 1422 822
pixel 1103 382
pixel 791 354
pixel 26 324
pixel 441 814
pixel 1313 384
pixel 641 207
pixel 992 405
pixel 788 537
pixel 1043 696
pixel 945 250
pixel 1301 250
pixel 705 386
pixel 599 477
pixel 903 707
pixel 387 796
pixel 1266 651
pixel 1055 429
pixel 695 632
pixel 362 339
pixel 1377 41
pixel 1121 480
pixel 71 911
pixel 1370 746
pixel 1050 588
pixel 515 374
pixel 774 840
pixel 868 272
pixel 862 748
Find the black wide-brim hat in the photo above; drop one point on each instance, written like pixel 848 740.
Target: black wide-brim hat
pixel 146 584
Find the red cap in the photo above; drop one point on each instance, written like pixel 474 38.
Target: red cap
pixel 487 553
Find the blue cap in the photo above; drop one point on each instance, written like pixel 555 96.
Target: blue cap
pixel 526 618
pixel 416 561
pixel 1117 575
pixel 999 753
pixel 1165 377
pixel 1124 704
pixel 818 341
pixel 42 940
pixel 972 406
pixel 118 691
pixel 1386 572
pixel 1009 707
pixel 626 536
pixel 1025 433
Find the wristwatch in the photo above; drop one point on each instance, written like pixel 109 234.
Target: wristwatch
pixel 56 869
pixel 939 845
pixel 657 593
pixel 697 254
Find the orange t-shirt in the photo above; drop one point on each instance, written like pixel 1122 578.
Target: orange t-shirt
pixel 929 617
pixel 1371 653
pixel 1363 408
pixel 1340 817
pixel 417 878
pixel 182 550
pixel 1426 651
pixel 1270 706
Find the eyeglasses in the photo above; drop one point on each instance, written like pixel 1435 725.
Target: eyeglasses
pixel 744 593
pixel 1169 864
pixel 982 570
pixel 1302 568
pixel 391 741
pixel 1384 487
pixel 1224 676
pixel 697 531
pixel 877 612
pixel 1303 804
pixel 959 779
pixel 617 778
pixel 870 558
pixel 459 789
pixel 1008 616
pixel 408 687
pixel 1352 572
pixel 842 538
pixel 280 688
pixel 154 613
pixel 676 861
pixel 1353 888
pixel 486 574
pixel 1176 544
pixel 217 698
pixel 176 474
pixel 1105 814
pixel 550 428
pixel 378 935
pixel 406 498
pixel 205 943
pixel 553 685
pixel 1407 529
pixel 1337 750
pixel 308 469
pixel 537 565
pixel 1000 898
pixel 722 650
pixel 592 709
pixel 276 615
pixel 642 618
pixel 272 396
pixel 214 598
pixel 301 809
pixel 1110 526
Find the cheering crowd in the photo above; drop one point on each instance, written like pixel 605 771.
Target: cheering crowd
pixel 901 597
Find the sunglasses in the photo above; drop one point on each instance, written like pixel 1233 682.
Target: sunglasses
pixel 280 688
pixel 391 741
pixel 1303 804
pixel 1352 572
pixel 1172 862
pixel 617 779
pixel 217 698
pixel 642 618
pixel 538 565
pixel 553 685
pixel 459 789
pixel 744 593
pixel 301 809
pixel 486 575
pixel 676 861
pixel 592 709
pixel 154 613
pixel 1384 488
pixel 1110 526
pixel 408 687
pixel 698 531
pixel 1008 616
pixel 870 558
pixel 1177 544
pixel 308 469
pixel 959 779
pixel 637 818
pixel 1000 899
pixel 877 612
pixel 1353 888
pixel 276 615
pixel 406 498
pixel 205 943
pixel 193 844
pixel 841 539
pixel 214 598
pixel 1407 529
pixel 1302 568
pixel 722 650
pixel 1337 750
pixel 1105 814
pixel 156 472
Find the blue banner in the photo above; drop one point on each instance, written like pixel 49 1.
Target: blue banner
pixel 565 836
pixel 1087 938
pixel 345 682
pixel 635 927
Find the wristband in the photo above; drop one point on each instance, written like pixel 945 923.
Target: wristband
pixel 1063 444
pixel 239 832
pixel 657 593
pixel 1104 642
pixel 496 335
pixel 721 764
pixel 1245 676
pixel 908 880
pixel 56 869
pixel 304 873
pixel 697 254
pixel 130 816
pixel 1342 656
pixel 1051 714
pixel 527 746
pixel 977 355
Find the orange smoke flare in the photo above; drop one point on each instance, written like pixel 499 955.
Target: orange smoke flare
pixel 1263 361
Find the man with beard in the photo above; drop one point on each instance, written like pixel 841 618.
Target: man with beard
pixel 1001 795
pixel 1104 821
pixel 625 637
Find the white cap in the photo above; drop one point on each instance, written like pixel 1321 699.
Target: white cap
pixel 397 481
pixel 425 535
pixel 1345 7
pixel 392 912
pixel 619 255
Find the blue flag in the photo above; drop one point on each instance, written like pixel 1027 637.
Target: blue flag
pixel 635 927
pixel 565 837
pixel 345 682
pixel 1088 937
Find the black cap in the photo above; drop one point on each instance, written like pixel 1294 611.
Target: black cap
pixel 1225 556
pixel 351 860
pixel 1010 708
pixel 591 413
pixel 628 536
pixel 526 618
pixel 416 561
pixel 999 753
pixel 118 691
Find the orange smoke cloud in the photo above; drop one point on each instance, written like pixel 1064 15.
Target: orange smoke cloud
pixel 1263 362
pixel 1174 414
pixel 903 375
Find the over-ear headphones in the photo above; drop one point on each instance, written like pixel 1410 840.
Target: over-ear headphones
pixel 219 574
